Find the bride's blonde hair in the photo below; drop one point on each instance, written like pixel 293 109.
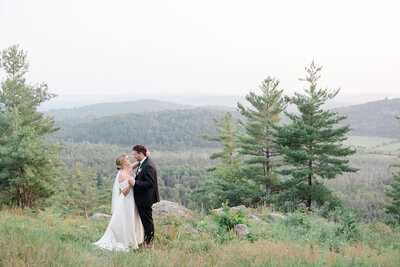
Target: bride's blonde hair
pixel 119 161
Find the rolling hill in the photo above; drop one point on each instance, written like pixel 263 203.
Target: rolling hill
pixel 374 118
pixel 175 128
pixel 111 108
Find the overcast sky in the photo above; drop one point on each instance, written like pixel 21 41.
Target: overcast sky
pixel 205 47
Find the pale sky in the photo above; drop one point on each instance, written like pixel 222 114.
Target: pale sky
pixel 216 47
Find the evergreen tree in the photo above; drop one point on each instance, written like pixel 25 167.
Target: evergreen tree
pixel 79 191
pixel 257 144
pixel 393 191
pixel 227 181
pixel 26 162
pixel 312 145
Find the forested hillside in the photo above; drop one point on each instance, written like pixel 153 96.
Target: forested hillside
pixel 111 108
pixel 166 130
pixel 178 128
pixel 374 118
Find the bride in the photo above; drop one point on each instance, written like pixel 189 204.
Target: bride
pixel 125 229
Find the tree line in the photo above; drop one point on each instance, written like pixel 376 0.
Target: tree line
pixel 262 160
pixel 283 164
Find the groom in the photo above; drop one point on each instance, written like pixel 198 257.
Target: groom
pixel 145 189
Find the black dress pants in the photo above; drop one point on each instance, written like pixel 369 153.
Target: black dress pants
pixel 146 215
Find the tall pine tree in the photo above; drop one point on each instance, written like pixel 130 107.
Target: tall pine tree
pixel 393 191
pixel 257 143
pixel 227 182
pixel 27 173
pixel 312 145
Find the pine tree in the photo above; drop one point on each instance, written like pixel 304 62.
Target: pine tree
pixel 27 172
pixel 258 143
pixel 79 191
pixel 312 145
pixel 227 181
pixel 393 191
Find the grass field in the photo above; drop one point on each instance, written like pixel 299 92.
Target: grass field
pixel 47 239
pixel 371 141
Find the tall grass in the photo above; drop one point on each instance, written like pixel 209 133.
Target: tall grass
pixel 48 239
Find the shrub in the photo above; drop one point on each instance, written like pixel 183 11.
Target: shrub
pixel 229 219
pixel 348 227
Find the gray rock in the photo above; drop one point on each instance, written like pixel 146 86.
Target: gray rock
pixel 275 216
pixel 166 208
pixel 100 215
pixel 234 209
pixel 241 229
pixel 255 218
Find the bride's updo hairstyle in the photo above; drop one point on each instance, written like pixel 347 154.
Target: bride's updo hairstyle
pixel 119 161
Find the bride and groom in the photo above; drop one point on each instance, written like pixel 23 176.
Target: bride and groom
pixel 132 222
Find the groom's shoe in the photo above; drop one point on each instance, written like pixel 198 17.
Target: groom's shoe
pixel 149 245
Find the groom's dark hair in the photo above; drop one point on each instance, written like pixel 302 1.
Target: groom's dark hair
pixel 140 148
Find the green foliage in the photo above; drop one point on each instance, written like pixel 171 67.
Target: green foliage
pixel 169 130
pixel 47 238
pixel 373 118
pixel 27 174
pixel 79 191
pixel 299 220
pixel 228 219
pixel 257 143
pixel 394 193
pixel 69 115
pixel 348 227
pixel 227 182
pixel 313 148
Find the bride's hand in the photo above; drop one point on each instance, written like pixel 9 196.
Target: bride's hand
pixel 131 181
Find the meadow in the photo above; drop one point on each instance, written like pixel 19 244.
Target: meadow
pixel 383 143
pixel 47 238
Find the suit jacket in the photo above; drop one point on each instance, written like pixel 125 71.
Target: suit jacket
pixel 146 187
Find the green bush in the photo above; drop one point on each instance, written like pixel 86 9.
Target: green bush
pixel 348 227
pixel 229 219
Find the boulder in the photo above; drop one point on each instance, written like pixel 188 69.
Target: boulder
pixel 255 218
pixel 234 209
pixel 100 215
pixel 275 216
pixel 241 229
pixel 166 208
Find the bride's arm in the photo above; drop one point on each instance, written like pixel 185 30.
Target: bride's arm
pixel 134 165
pixel 126 190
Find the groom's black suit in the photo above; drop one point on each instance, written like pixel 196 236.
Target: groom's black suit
pixel 146 194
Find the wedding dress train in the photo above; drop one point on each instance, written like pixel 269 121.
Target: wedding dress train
pixel 125 229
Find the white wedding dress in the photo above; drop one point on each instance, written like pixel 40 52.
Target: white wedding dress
pixel 125 229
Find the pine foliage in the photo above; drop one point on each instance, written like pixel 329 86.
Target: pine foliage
pixel 27 164
pixel 257 143
pixel 312 145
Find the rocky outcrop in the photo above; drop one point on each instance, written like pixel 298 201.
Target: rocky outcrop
pixel 166 208
pixel 275 216
pixel 255 218
pixel 234 209
pixel 241 229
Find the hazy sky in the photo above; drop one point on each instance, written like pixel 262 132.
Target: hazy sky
pixel 205 47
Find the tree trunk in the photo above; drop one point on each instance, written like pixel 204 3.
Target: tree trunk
pixel 309 186
pixel 268 185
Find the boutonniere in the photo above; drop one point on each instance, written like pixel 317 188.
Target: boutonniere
pixel 139 170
